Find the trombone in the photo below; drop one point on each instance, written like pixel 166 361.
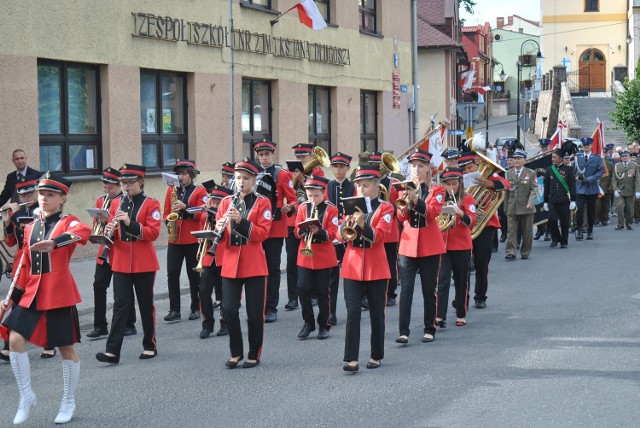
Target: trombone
pixel 307 251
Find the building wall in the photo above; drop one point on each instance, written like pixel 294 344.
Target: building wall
pixel 98 32
pixel 569 31
pixel 434 87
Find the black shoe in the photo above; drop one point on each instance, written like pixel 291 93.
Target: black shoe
pixel 619 227
pixel 98 332
pixel 365 303
pixel 629 227
pixel 579 235
pixel 194 315
pixel 104 358
pixel 589 236
pixel 332 320
pixel 553 244
pixel 291 305
pixel 206 332
pixel 306 331
pixel 480 304
pixel 130 331
pixel 144 356
pixel 574 229
pixel 4 357
pixel 510 257
pixel 248 365
pixel 524 257
pixel 441 323
pixel 547 237
pixel 604 223
pixel 372 365
pixel 173 316
pixel 349 368
pixel 232 364
pixel 271 317
pixel 314 301
pixel 563 245
pixel 222 331
pixel 503 237
pixel 323 334
pixel 494 249
pixel 46 356
pixel 391 301
pixel 216 305
pixel 402 339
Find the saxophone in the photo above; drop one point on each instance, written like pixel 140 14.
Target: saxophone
pixel 172 219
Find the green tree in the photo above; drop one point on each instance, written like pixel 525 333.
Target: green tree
pixel 627 112
pixel 468 5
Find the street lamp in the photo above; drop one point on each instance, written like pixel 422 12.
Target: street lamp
pixel 519 64
pixel 630 38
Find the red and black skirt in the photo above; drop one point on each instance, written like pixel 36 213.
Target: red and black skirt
pixel 48 329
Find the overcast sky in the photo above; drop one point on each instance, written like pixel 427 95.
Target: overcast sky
pixel 489 10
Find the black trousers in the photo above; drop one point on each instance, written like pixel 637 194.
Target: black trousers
pixel 502 216
pixel 481 259
pixel 376 292
pixel 559 213
pixel 314 282
pixel 123 283
pixel 391 248
pixel 603 206
pixel 210 279
pixel 101 281
pixel 255 302
pixel 335 277
pixel 273 251
pixel 456 262
pixel 428 267
pixel 590 202
pixel 291 246
pixel 176 253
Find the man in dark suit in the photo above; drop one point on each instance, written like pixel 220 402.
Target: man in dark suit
pixel 559 198
pixel 19 159
pixel 589 170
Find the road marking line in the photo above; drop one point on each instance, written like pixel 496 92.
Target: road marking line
pixel 595 339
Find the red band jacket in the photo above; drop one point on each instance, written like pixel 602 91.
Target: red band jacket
pixel 459 236
pixel 101 205
pixel 193 196
pixel 133 250
pixel 501 184
pixel 394 233
pixel 284 190
pixel 365 258
pixel 241 245
pixel 208 220
pixel 421 236
pixel 14 233
pixel 324 253
pixel 46 275
pixel 317 172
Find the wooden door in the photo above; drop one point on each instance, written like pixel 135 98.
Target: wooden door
pixel 593 68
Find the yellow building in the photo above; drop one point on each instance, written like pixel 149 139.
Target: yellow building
pixel 88 84
pixel 586 35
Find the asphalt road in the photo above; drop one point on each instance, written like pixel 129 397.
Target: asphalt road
pixel 557 346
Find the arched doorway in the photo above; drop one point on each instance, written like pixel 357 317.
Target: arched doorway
pixel 593 67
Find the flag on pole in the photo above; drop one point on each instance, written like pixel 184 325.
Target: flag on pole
pixel 598 145
pixel 466 79
pixel 309 15
pixel 434 145
pixel 558 137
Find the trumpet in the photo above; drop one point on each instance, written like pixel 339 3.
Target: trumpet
pixel 403 202
pixel 348 231
pixel 307 251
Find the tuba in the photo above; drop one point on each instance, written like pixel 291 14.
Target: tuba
pixel 487 200
pixel 172 219
pixel 319 157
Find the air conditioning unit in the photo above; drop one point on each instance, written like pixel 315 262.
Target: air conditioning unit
pixel 528 60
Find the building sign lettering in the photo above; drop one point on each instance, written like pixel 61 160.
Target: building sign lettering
pixel 166 28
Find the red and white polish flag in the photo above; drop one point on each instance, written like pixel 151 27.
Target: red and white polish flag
pixel 309 15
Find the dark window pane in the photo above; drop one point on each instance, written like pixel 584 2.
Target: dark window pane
pixel 597 56
pixel 51 158
pixel 150 155
pixel 149 123
pixel 49 99
pixel 322 111
pixel 312 129
pixel 81 99
pixel 323 8
pixel 371 113
pixel 261 107
pixel 172 105
pixel 246 109
pixel 586 56
pixel 171 152
pixel 83 156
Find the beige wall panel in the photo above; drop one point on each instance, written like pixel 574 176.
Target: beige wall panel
pixel 347 123
pixel 394 135
pixel 290 116
pixel 433 94
pixel 18 110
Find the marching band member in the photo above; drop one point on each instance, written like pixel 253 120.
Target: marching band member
pixel 102 277
pixel 45 296
pixel 391 239
pixel 338 188
pixel 227 175
pixel 134 225
pixel 303 153
pixel 314 269
pixel 457 240
pixel 185 246
pixel 362 271
pixel 273 244
pixel 483 242
pixel 14 220
pixel 421 245
pixel 211 277
pixel 244 220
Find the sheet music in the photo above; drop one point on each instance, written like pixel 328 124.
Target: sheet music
pixel 97 212
pixel 470 179
pixel 170 179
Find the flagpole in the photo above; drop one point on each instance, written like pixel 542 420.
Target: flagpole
pixel 231 75
pixel 275 21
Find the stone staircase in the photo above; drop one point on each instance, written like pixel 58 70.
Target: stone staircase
pixel 589 109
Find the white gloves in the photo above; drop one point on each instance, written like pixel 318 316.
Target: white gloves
pixel 572 205
pixel 617 193
pixel 637 195
pixel 545 207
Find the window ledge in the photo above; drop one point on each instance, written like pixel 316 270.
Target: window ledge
pixel 258 8
pixel 333 25
pixel 369 33
pixel 84 177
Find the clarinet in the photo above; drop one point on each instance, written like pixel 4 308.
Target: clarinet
pixel 104 256
pixel 218 233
